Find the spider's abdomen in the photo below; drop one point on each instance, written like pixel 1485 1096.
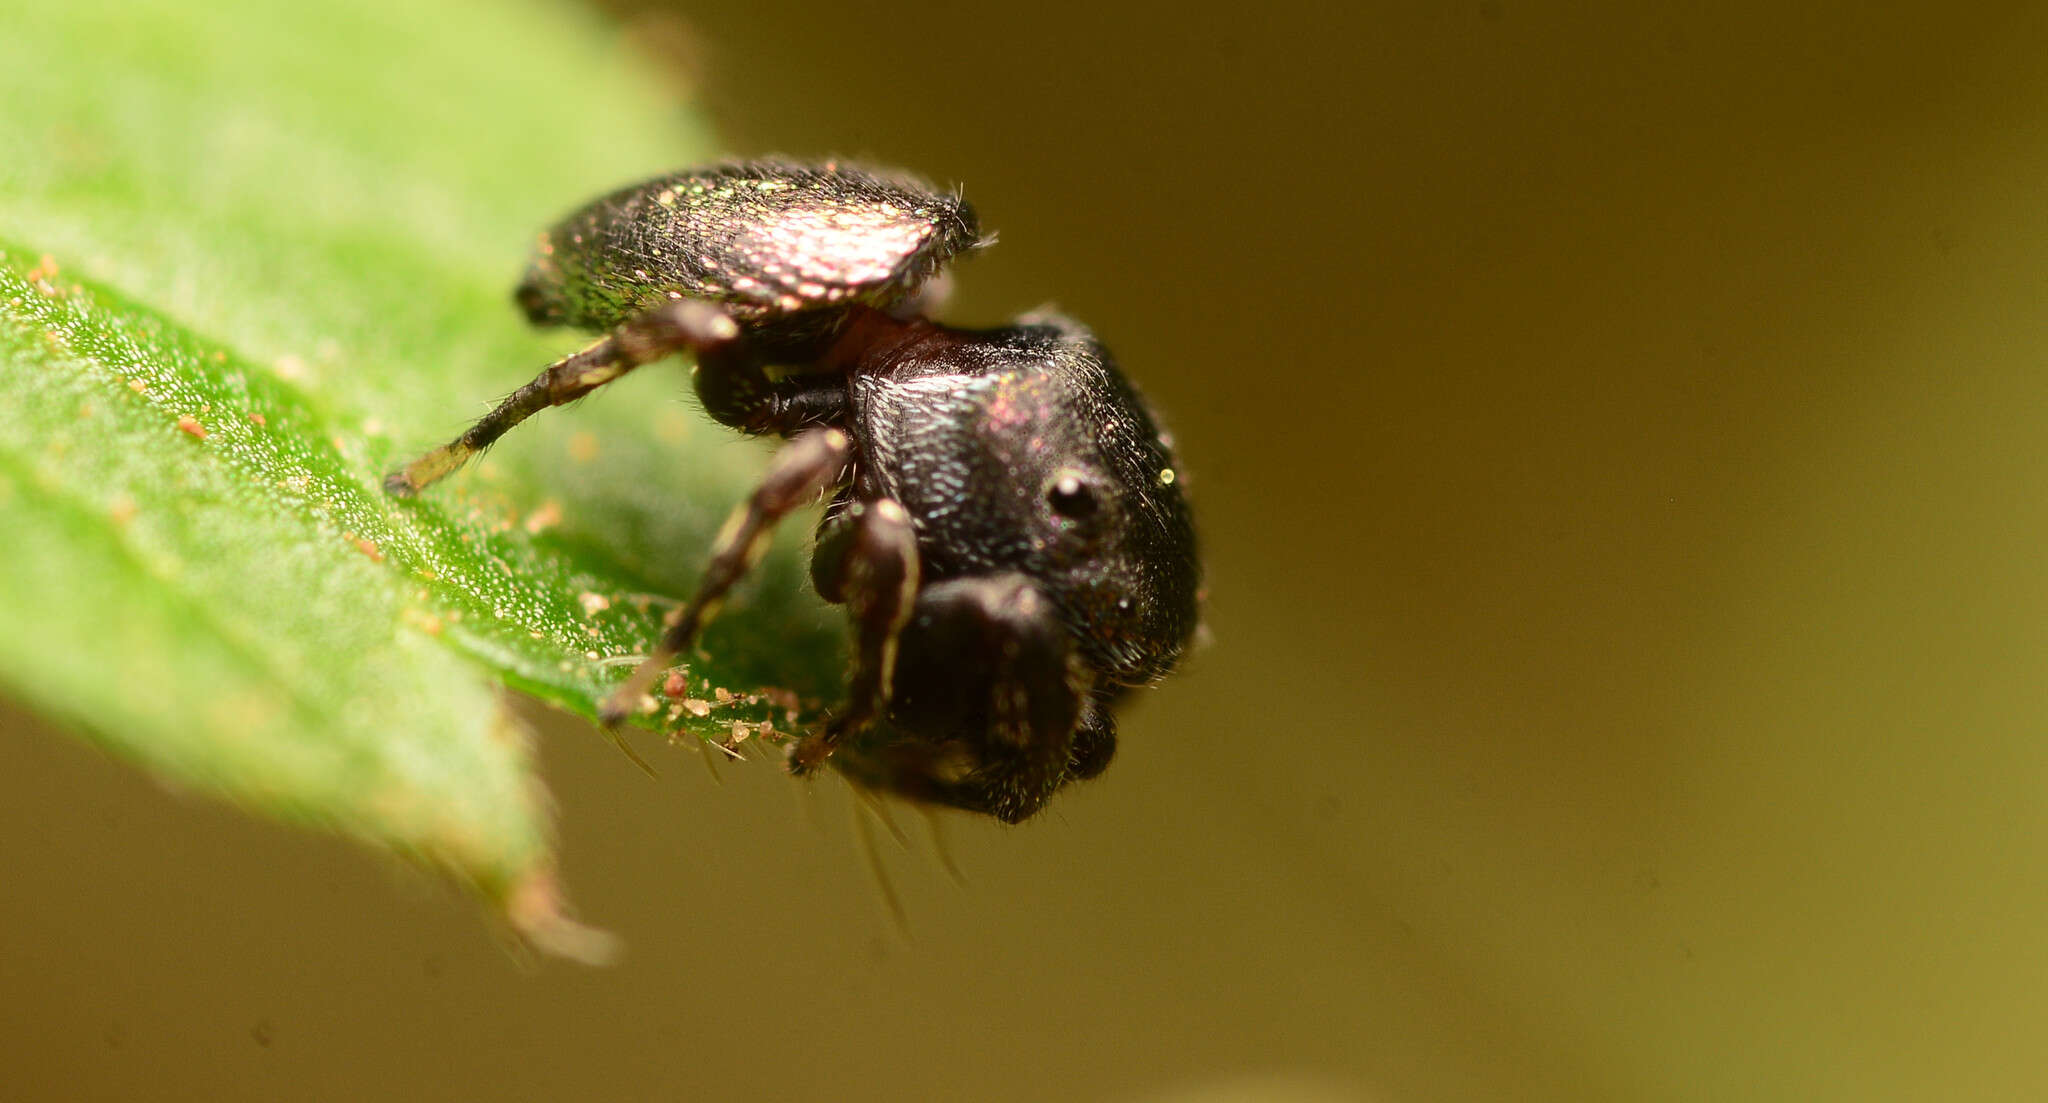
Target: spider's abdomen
pixel 762 239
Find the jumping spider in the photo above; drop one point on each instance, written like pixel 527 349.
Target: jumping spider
pixel 1006 526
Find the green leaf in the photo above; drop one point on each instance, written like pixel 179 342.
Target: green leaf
pixel 253 255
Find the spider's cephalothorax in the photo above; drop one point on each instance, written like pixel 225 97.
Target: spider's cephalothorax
pixel 1007 528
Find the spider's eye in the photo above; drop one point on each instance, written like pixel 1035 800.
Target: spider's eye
pixel 1071 497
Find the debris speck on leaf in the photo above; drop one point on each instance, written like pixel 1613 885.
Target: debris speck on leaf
pixel 366 546
pixel 546 517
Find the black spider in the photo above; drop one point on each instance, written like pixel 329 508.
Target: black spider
pixel 1007 530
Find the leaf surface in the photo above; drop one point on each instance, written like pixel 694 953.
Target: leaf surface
pixel 253 255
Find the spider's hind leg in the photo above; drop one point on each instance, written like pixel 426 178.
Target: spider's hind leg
pixel 683 325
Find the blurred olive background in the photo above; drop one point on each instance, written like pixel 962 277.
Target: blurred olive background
pixel 1617 433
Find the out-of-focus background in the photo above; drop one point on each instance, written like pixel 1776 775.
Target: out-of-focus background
pixel 1618 438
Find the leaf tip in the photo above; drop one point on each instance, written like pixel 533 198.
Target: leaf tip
pixel 538 913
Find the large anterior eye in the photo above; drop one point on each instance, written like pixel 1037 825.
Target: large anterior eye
pixel 1071 496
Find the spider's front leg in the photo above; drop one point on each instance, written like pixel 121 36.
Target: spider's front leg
pixel 866 558
pixel 811 463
